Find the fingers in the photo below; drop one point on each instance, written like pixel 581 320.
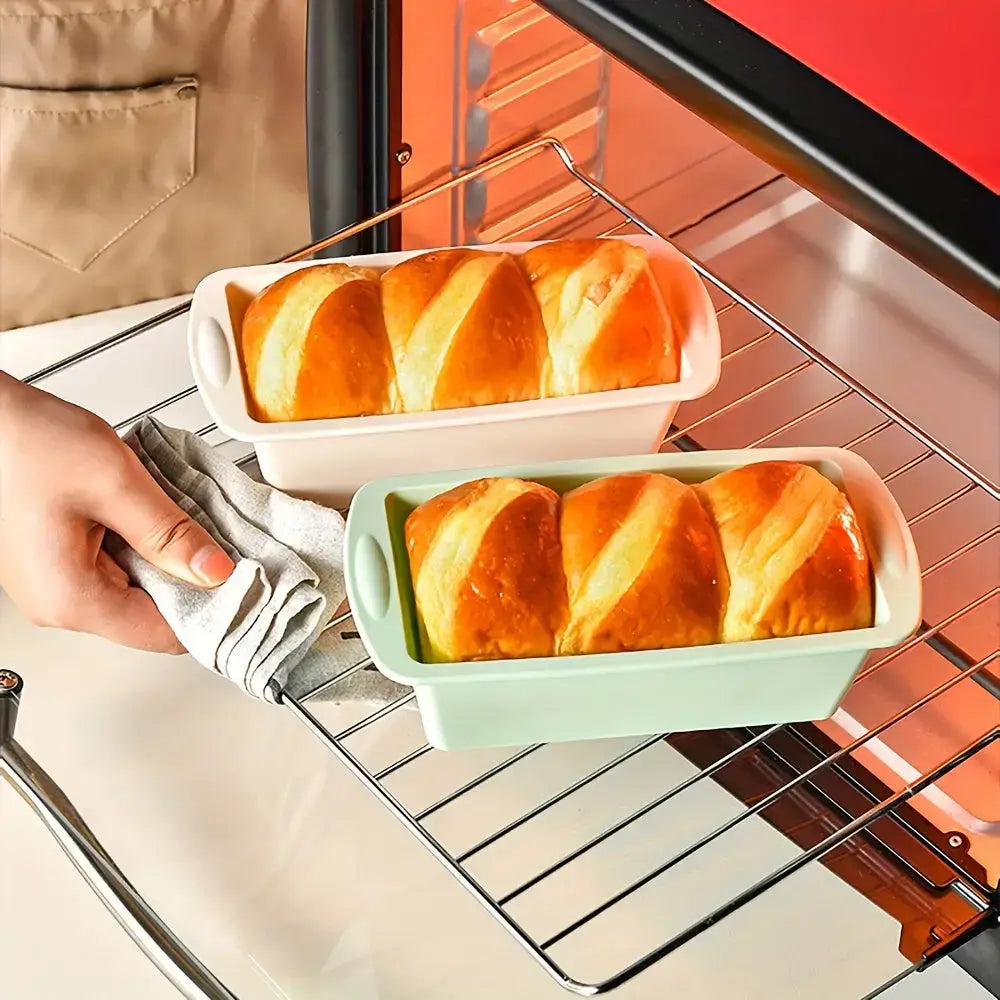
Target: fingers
pixel 159 530
pixel 65 476
pixel 127 616
pixel 94 596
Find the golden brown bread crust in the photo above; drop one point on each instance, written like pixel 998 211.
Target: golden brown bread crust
pixel 314 345
pixel 486 571
pixel 606 318
pixel 795 554
pixel 643 566
pixel 503 569
pixel 465 330
pixel 410 289
pixel 457 328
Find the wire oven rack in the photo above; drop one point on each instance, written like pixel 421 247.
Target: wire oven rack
pixel 804 766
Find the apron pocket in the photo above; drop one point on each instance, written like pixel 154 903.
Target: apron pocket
pixel 80 168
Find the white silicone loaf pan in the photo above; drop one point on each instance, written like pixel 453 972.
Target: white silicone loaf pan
pixel 328 460
pixel 514 702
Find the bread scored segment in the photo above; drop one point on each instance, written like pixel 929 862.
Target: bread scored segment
pixel 460 328
pixel 643 567
pixel 486 571
pixel 795 555
pixel 315 346
pixel 465 330
pixel 606 317
pixel 502 568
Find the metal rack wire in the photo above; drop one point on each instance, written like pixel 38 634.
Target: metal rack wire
pixel 960 879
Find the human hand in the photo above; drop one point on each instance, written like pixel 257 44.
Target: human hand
pixel 65 479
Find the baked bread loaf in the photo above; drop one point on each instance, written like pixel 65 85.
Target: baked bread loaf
pixel 315 345
pixel 456 328
pixel 643 566
pixel 502 568
pixel 606 317
pixel 486 571
pixel 794 552
pixel 465 330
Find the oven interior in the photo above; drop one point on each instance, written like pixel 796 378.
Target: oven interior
pixel 527 131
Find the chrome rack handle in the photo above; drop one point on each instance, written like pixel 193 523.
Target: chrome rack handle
pixel 180 966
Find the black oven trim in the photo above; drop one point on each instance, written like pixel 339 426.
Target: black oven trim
pixel 980 958
pixel 354 119
pixel 851 157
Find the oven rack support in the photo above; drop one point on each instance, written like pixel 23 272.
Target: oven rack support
pixel 980 897
pixel 167 952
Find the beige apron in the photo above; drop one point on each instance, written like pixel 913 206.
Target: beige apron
pixel 144 143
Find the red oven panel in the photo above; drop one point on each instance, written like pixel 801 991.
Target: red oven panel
pixel 932 67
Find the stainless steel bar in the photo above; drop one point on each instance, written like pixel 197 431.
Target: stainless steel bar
pixel 941 504
pixel 372 781
pixel 771 321
pixel 987 917
pixel 759 339
pixel 906 466
pixel 868 434
pixel 959 659
pixel 617 228
pixel 139 920
pixel 336 679
pixel 403 761
pixel 503 160
pixel 769 800
pixel 958 553
pixel 559 796
pixel 960 869
pixel 339 620
pixel 175 398
pixel 567 209
pixel 889 983
pixel 105 345
pixel 779 875
pixel 898 651
pixel 752 394
pixel 11 686
pixel 431 843
pixel 475 782
pixel 925 633
pixel 801 418
pixel 638 814
pixel 375 716
pixel 497 162
pixel 974 900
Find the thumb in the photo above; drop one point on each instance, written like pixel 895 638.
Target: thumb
pixel 160 531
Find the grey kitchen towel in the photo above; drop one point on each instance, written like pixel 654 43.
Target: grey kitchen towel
pixel 268 621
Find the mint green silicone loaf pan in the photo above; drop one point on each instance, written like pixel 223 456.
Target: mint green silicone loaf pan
pixel 513 702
